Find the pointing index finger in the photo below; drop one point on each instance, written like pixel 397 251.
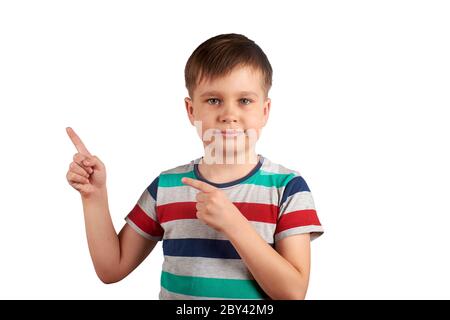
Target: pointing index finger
pixel 77 142
pixel 197 184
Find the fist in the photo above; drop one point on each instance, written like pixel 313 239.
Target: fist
pixel 213 206
pixel 87 173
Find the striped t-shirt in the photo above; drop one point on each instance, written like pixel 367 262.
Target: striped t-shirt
pixel 200 262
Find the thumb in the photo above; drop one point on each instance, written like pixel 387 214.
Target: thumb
pixel 93 162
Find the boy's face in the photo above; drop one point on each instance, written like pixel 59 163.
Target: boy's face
pixel 235 102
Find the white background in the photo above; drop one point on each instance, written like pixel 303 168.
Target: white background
pixel 360 96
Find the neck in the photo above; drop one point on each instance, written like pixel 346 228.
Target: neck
pixel 230 169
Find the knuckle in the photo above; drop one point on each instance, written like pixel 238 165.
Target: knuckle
pixel 78 157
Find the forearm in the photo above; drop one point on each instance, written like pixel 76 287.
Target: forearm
pixel 102 238
pixel 276 276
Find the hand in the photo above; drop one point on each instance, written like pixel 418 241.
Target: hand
pixel 213 206
pixel 87 173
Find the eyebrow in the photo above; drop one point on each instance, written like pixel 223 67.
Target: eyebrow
pixel 217 93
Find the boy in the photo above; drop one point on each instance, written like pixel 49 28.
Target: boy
pixel 234 224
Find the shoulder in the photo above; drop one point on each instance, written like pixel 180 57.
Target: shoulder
pixel 289 180
pixel 171 177
pixel 283 174
pixel 180 169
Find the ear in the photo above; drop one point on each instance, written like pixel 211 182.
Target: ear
pixel 266 110
pixel 189 109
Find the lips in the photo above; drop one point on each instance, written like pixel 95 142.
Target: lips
pixel 229 132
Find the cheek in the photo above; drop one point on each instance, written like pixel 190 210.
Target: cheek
pixel 207 119
pixel 203 122
pixel 254 129
pixel 255 120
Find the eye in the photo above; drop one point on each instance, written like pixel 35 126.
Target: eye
pixel 213 101
pixel 246 101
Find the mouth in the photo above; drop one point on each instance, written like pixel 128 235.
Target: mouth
pixel 229 133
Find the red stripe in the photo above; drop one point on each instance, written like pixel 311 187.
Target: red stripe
pixel 258 212
pixel 187 210
pixel 176 211
pixel 296 219
pixel 144 222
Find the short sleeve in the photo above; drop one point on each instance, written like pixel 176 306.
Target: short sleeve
pixel 142 218
pixel 297 214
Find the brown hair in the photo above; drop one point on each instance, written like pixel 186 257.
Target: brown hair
pixel 219 55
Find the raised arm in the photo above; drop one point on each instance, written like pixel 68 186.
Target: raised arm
pixel 114 255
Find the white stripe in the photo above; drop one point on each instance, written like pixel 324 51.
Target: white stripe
pixel 302 200
pixel 267 166
pixel 180 169
pixel 147 204
pixel 250 193
pixel 195 228
pixel 273 167
pixel 207 267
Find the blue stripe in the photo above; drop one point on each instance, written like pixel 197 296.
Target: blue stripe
pixel 297 184
pixel 207 248
pixel 153 188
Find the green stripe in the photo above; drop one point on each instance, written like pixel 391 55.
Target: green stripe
pixel 174 179
pixel 269 179
pixel 260 178
pixel 210 287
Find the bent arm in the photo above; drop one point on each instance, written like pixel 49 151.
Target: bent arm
pixel 283 272
pixel 114 256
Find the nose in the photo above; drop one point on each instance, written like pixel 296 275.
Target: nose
pixel 229 113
